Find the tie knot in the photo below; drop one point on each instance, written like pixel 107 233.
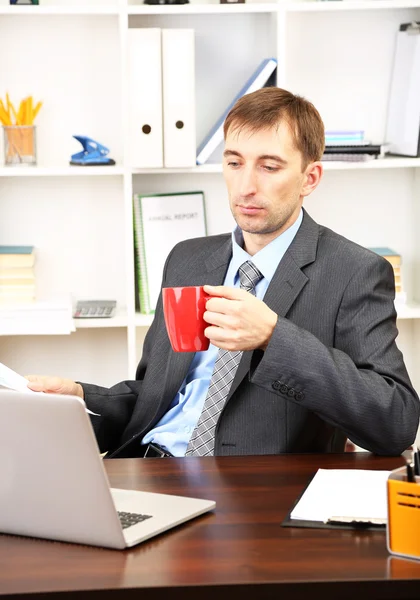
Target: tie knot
pixel 249 276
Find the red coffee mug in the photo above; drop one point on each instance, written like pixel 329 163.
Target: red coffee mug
pixel 183 309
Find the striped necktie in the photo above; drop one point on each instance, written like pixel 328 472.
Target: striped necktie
pixel 227 362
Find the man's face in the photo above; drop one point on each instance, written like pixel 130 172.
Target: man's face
pixel 265 182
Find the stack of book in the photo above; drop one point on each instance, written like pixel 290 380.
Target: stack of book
pixel 17 277
pixel 350 146
pixel 395 259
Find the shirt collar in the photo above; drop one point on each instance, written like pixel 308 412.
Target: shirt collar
pixel 268 258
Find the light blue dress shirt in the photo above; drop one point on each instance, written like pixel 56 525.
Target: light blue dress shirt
pixel 175 428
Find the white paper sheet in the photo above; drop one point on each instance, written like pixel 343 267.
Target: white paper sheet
pixel 13 381
pixel 351 494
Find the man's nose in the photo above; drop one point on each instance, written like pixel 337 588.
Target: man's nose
pixel 248 184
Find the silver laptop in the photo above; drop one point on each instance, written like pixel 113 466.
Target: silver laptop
pixel 53 483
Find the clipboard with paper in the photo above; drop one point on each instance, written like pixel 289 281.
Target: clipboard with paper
pixel 342 499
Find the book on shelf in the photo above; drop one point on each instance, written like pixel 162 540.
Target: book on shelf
pixel 263 76
pixel 17 256
pixel 160 222
pixel 17 283
pixel 12 295
pixel 395 259
pixel 345 137
pixel 353 152
pixel 16 274
pixel 343 157
pixel 372 149
pixel 391 255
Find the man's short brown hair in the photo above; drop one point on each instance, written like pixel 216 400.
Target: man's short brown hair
pixel 267 107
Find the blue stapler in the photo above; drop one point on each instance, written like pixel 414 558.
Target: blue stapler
pixel 93 153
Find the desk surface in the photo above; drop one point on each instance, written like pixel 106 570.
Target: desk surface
pixel 240 550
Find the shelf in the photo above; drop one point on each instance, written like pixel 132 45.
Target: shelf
pixel 64 171
pixel 340 5
pixel 203 9
pixel 408 311
pixel 212 8
pixel 199 169
pixel 405 311
pixel 380 163
pixel 73 171
pixel 119 320
pixel 58 10
pixel 143 320
pixel 271 7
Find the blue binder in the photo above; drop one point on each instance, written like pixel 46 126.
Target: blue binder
pixel 215 136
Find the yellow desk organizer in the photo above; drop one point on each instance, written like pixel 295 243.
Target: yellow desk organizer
pixel 403 528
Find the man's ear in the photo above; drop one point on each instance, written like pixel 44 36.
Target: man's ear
pixel 313 175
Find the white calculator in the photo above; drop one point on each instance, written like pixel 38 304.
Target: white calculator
pixel 95 309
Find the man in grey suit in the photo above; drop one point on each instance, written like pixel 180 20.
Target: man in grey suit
pixel 301 321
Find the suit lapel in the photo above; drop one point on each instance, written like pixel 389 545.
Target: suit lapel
pixel 287 283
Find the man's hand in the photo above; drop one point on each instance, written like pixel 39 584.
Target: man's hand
pixel 54 385
pixel 238 320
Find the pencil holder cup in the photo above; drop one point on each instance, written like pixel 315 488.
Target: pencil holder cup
pixel 403 526
pixel 19 145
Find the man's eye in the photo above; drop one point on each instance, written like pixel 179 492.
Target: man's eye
pixel 233 163
pixel 270 169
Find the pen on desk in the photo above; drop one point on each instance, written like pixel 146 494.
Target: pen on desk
pixel 416 460
pixel 410 473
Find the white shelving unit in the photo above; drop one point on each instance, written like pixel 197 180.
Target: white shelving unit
pixel 71 54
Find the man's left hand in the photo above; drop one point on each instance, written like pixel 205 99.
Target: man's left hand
pixel 238 320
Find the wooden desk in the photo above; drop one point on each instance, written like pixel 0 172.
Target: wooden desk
pixel 239 551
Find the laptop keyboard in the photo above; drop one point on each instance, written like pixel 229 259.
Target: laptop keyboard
pixel 128 519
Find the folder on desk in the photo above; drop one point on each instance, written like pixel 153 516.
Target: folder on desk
pixel 178 74
pixel 403 120
pixel 145 145
pixel 341 499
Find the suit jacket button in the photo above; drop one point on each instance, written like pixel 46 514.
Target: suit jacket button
pixel 284 388
pixel 276 385
pixel 299 396
pixel 291 392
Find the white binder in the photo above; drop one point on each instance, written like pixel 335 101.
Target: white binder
pixel 145 136
pixel 178 65
pixel 403 122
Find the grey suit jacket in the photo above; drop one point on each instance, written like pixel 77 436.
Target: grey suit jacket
pixel 331 370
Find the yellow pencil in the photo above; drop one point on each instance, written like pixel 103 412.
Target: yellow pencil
pixel 14 114
pixel 8 106
pixel 36 110
pixel 26 114
pixel 29 115
pixel 4 117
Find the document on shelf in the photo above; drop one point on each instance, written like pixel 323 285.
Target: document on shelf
pixel 344 496
pixel 13 381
